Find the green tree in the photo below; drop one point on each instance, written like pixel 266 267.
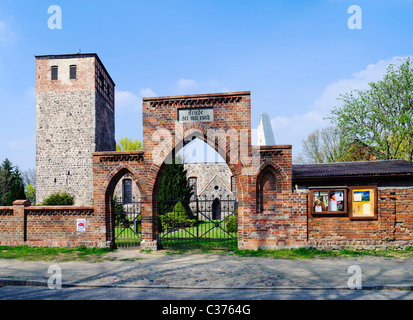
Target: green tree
pixel 30 192
pixel 126 144
pixel 381 117
pixel 29 181
pixel 174 187
pixel 11 184
pixel 321 146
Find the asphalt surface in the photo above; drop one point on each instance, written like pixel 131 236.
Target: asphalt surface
pixel 164 297
pixel 205 271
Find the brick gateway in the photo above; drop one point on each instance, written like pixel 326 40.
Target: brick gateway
pixel 263 175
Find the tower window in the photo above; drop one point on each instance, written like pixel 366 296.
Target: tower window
pixel 193 182
pixel 127 191
pixel 105 86
pixel 233 185
pixel 73 71
pixel 54 73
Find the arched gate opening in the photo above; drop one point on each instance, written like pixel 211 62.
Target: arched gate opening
pixel 208 218
pixel 264 198
pixel 124 208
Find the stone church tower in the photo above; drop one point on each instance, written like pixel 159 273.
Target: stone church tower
pixel 75 116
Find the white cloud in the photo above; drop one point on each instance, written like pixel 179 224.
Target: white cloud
pixel 23 143
pixel 185 84
pixel 126 101
pixel 294 129
pixel 21 151
pixel 6 35
pixel 147 93
pixel 358 81
pixel 128 109
pixel 17 138
pixel 129 102
pixel 2 32
pixel 191 86
pixel 30 94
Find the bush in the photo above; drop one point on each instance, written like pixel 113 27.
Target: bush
pixel 176 219
pixel 232 224
pixel 59 199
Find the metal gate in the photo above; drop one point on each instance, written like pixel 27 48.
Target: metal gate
pixel 200 223
pixel 127 224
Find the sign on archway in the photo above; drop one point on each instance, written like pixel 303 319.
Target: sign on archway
pixel 223 121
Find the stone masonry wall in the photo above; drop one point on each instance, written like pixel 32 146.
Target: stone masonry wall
pixel 205 173
pixel 73 120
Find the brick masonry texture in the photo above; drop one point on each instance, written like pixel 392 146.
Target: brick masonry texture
pixel 23 224
pixel 393 226
pixel 283 219
pixel 208 175
pixel 283 224
pixel 75 153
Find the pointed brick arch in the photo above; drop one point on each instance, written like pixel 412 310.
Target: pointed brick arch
pixel 199 132
pixel 116 175
pixel 269 186
pixel 163 134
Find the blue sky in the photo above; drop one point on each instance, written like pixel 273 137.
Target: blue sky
pixel 295 57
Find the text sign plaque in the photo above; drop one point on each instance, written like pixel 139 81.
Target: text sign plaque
pixel 196 115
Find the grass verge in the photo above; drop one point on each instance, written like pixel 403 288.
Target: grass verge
pixel 27 253
pixel 52 253
pixel 310 253
pixel 301 253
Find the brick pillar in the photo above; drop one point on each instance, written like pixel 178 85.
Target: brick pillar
pixel 149 234
pixel 102 214
pixel 247 228
pixel 20 219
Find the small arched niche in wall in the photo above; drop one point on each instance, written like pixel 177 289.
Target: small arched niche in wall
pixel 268 187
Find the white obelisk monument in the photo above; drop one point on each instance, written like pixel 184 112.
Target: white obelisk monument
pixel 265 135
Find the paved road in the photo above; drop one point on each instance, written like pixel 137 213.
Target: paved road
pixel 136 275
pixel 241 295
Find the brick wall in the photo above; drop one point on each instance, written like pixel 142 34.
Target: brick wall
pixel 23 224
pixel 393 226
pixel 282 224
pixel 8 225
pixel 283 220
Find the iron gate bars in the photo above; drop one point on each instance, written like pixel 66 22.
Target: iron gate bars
pixel 202 223
pixel 127 224
pixel 207 223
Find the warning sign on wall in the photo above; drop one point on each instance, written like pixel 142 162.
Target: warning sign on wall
pixel 81 224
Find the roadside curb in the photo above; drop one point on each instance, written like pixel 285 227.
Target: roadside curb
pixel 37 283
